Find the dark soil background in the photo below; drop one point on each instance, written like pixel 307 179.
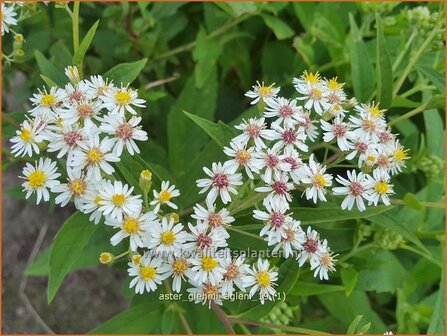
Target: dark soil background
pixel 86 298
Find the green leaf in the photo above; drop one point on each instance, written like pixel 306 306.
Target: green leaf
pixel 205 53
pixel 437 323
pixel 78 57
pixel 384 71
pixel 125 72
pixel 220 132
pixel 237 8
pixel 332 214
pixel 309 288
pixel 168 320
pixel 386 275
pixel 412 201
pixel 138 319
pixel 400 101
pixel 353 326
pixel 48 81
pixel 49 70
pixel 68 244
pixel 349 277
pixel 433 76
pixel 362 70
pixel 281 30
pixel 288 276
pixel 40 266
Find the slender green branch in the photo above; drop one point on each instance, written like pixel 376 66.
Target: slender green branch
pixel 232 228
pixel 178 309
pixel 280 327
pixel 409 114
pixel 223 318
pixel 422 254
pixel 417 88
pixel 217 32
pixel 75 22
pixel 436 205
pixel 356 250
pixel 404 51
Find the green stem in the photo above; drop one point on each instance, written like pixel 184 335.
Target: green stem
pixel 404 51
pixel 422 254
pixel 430 235
pixel 75 22
pixel 217 32
pixel 356 250
pixel 417 89
pixel 280 327
pixel 438 205
pixel 415 58
pixel 408 115
pixel 232 228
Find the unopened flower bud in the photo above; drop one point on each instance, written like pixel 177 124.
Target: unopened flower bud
pixel 105 258
pixel 388 239
pixel 136 259
pixel 146 180
pixel 174 216
pixel 72 73
pixel 19 55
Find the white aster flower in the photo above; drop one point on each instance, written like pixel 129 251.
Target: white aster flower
pixel 83 111
pixel 47 105
pixel 275 217
pixel 316 97
pixel 262 278
pixel 117 200
pixel 284 110
pixel 367 127
pixel 297 171
pixel 206 267
pixel 279 188
pixel 380 187
pixel 77 187
pixel 309 127
pixel 120 100
pixel 165 195
pixel 179 267
pixel 362 148
pixel 235 272
pixel 202 239
pixel 206 293
pixel 72 73
pixel 326 262
pixel 335 93
pixel 94 156
pixel 273 162
pixel 211 217
pixel 338 130
pixel 66 138
pixel 290 138
pixel 399 156
pixel 221 183
pixel 149 273
pixel 311 248
pixel 262 92
pixel 135 226
pixel 97 86
pixel 242 157
pixel 317 180
pixel 124 132
pixel 91 201
pixel 39 177
pixel 166 237
pixel 254 129
pixel 355 188
pixel 292 237
pixel 74 93
pixel 28 137
pixel 8 18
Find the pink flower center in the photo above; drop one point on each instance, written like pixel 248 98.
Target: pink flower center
pixel 285 111
pixel 311 245
pixel 279 188
pixel 124 131
pixel 385 137
pixel 253 130
pixel 290 235
pixel 292 161
pixel 339 130
pixel 369 126
pixel 214 219
pixel 220 180
pixel 71 137
pixel 289 136
pixel 356 189
pixel 383 161
pixel 277 219
pixel 232 272
pixel 76 95
pixel 272 160
pixel 204 241
pixel 362 147
pixel 85 111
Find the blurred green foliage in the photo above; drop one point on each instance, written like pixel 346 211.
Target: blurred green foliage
pixel 201 58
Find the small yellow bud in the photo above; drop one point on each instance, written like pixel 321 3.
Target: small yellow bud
pixel 146 180
pixel 105 258
pixel 174 216
pixel 136 259
pixel 18 38
pixel 72 73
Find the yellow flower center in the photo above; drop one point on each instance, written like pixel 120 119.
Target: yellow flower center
pixel 130 225
pixel 94 156
pixel 263 279
pixel 136 259
pixel 37 179
pixel 105 258
pixel 381 187
pixel 179 266
pixel 375 111
pixel 97 200
pixel 319 180
pixel 334 85
pixel 123 98
pixel 26 135
pixel 165 196
pixel 311 77
pixel 371 159
pixel 316 93
pixel 148 273
pixel 208 263
pixel 265 91
pixel 242 156
pixel 48 100
pixel 77 186
pixel 168 237
pixel 400 155
pixel 118 199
